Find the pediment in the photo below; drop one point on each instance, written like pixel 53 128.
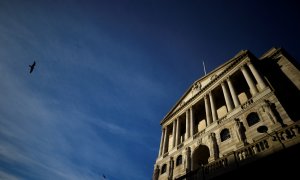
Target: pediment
pixel 199 84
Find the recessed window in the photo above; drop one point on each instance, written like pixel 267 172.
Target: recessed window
pixel 179 160
pixel 252 119
pixel 163 168
pixel 224 134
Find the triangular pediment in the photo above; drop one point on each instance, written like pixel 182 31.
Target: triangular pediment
pixel 199 84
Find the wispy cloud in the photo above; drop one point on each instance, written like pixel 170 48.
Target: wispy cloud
pixel 4 175
pixel 36 135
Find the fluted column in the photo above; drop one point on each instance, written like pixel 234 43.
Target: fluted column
pixel 192 121
pixel 161 141
pixel 250 82
pixel 233 93
pixel 174 133
pixel 187 125
pixel 177 132
pixel 227 97
pixel 256 75
pixel 207 110
pixel 166 141
pixel 213 108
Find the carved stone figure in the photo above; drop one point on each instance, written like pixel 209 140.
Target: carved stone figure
pixel 240 131
pixel 270 109
pixel 267 109
pixel 214 145
pixel 188 159
pixel 171 167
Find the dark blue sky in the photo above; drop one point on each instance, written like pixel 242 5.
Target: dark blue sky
pixel 107 73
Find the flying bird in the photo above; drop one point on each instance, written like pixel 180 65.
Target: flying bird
pixel 32 67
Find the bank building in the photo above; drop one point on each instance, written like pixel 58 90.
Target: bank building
pixel 242 117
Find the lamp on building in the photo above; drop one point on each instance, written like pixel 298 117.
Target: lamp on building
pixel 264 129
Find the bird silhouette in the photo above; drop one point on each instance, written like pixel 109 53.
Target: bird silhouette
pixel 32 67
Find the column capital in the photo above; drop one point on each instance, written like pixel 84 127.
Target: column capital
pixel 243 66
pixel 248 62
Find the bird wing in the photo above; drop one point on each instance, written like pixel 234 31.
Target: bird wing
pixel 32 67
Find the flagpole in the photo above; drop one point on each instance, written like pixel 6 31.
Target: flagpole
pixel 204 68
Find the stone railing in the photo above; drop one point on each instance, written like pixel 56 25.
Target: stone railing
pixel 216 165
pixel 287 133
pixel 246 104
pixel 251 150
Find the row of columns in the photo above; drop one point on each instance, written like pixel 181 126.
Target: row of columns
pixel 231 100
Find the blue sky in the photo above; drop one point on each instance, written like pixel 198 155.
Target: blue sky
pixel 108 71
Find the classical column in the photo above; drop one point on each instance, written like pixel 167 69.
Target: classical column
pixel 233 93
pixel 192 121
pixel 177 132
pixel 256 75
pixel 166 140
pixel 207 110
pixel 161 141
pixel 187 125
pixel 174 133
pixel 227 97
pixel 213 108
pixel 250 82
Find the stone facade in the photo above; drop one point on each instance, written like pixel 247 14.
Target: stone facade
pixel 242 111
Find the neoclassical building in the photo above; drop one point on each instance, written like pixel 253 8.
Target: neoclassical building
pixel 243 111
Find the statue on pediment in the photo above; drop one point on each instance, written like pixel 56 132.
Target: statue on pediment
pixel 197 86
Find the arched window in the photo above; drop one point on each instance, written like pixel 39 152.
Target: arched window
pixel 252 119
pixel 164 168
pixel 224 134
pixel 179 160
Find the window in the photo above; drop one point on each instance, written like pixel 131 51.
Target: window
pixel 252 119
pixel 163 168
pixel 224 134
pixel 179 160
